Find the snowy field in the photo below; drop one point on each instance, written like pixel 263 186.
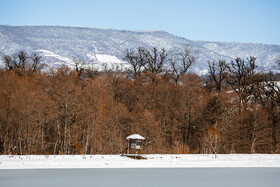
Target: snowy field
pixel 152 161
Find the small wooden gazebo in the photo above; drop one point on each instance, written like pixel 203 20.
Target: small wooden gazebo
pixel 135 143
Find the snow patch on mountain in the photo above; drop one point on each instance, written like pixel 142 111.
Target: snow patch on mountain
pixel 102 61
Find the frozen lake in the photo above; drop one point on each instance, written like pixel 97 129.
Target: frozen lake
pixel 249 177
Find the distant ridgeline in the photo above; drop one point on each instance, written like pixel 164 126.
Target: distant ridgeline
pixel 105 47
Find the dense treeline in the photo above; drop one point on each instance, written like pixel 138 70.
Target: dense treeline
pixel 85 111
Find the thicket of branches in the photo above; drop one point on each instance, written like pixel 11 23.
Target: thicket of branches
pixel 85 111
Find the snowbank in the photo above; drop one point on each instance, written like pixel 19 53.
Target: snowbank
pixel 152 161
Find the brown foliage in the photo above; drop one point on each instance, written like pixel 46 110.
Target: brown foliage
pixel 63 112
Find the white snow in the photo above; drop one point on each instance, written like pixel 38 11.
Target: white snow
pixel 51 54
pixel 108 59
pixel 152 161
pixel 55 60
pixel 110 62
pixel 135 136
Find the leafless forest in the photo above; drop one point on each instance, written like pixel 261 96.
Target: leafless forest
pixel 89 111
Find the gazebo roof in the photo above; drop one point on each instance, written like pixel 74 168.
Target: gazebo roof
pixel 135 136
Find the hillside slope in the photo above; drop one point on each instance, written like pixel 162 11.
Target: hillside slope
pixel 58 45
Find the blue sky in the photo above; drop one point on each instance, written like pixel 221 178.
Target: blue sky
pixel 255 21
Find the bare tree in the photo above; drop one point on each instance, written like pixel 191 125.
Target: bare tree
pixel 9 62
pixel 217 73
pixel 80 64
pixel 212 141
pixel 136 59
pixel 36 60
pixel 22 60
pixel 155 60
pixel 272 90
pixel 180 63
pixel 239 76
pixel 151 61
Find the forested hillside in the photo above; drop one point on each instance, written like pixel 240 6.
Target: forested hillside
pixel 85 111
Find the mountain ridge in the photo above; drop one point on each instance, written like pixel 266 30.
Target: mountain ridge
pixel 66 42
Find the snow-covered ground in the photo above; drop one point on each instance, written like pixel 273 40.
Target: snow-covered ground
pixel 152 161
